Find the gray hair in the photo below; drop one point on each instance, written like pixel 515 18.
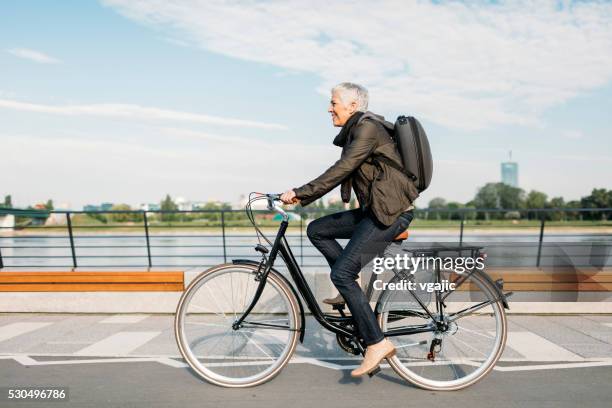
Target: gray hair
pixel 350 92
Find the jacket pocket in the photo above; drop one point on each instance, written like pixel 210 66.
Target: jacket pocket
pixel 390 193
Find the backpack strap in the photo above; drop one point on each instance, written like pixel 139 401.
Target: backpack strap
pixel 396 166
pixel 385 159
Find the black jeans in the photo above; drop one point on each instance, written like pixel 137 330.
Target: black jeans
pixel 368 238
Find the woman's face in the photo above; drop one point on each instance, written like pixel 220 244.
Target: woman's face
pixel 339 112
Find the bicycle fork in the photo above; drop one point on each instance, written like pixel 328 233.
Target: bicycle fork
pixel 266 265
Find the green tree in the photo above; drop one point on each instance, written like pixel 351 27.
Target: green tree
pixel 49 205
pixel 124 216
pixel 487 196
pixel 216 215
pixel 453 213
pixel 437 204
pixel 574 215
pixel 536 199
pixel 8 201
pixel 599 198
pixel 498 196
pixel 168 205
pixel 510 197
pixel 557 202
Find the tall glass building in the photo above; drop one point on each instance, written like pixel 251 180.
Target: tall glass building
pixel 509 173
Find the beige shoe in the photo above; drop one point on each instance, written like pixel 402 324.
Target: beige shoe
pixel 374 355
pixel 338 300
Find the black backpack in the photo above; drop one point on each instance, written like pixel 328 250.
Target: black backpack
pixel 412 145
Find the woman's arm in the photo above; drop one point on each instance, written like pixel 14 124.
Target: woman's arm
pixel 363 144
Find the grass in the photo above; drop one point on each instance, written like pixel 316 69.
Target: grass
pixel 83 223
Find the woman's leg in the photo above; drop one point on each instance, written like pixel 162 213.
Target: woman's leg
pixel 324 231
pixel 368 234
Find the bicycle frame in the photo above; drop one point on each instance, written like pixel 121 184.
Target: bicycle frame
pixel 338 324
pixel 329 322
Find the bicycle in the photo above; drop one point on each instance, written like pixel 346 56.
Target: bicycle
pixel 237 324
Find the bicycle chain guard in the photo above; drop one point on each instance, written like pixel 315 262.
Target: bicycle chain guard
pixel 348 344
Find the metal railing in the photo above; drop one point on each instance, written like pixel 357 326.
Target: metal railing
pixel 140 233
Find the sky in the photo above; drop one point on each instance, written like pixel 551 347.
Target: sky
pixel 125 101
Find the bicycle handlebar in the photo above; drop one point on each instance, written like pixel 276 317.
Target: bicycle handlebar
pixel 273 198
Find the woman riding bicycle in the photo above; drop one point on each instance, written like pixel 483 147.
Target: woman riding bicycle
pixel 385 196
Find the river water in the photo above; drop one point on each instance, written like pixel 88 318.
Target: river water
pixel 191 250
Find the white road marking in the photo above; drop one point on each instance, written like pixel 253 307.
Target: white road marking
pixel 554 366
pixel 537 348
pixel 29 361
pixel 17 329
pixel 607 324
pixel 121 343
pixel 124 319
pixel 25 360
pixel 171 362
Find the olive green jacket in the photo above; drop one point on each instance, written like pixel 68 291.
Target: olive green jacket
pixel 377 185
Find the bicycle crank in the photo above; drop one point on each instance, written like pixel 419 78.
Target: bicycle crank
pixel 348 344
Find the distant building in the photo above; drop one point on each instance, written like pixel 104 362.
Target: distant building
pixel 183 204
pixel 150 207
pixel 509 172
pixel 196 205
pixel 101 207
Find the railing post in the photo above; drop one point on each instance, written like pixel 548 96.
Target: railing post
pixel 146 226
pixel 301 241
pixel 542 221
pixel 69 221
pixel 1 263
pixel 223 233
pixel 461 231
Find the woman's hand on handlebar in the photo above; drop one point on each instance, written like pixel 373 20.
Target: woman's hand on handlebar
pixel 288 197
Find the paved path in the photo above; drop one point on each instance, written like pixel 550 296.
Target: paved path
pixel 132 360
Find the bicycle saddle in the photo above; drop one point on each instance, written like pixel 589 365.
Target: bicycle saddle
pixel 401 237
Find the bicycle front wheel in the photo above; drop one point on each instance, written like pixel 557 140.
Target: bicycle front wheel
pixel 465 348
pixel 218 350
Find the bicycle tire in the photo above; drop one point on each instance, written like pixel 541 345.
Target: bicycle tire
pixel 294 318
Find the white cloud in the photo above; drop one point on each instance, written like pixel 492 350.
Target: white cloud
pixel 572 134
pixel 137 112
pixel 33 55
pixel 464 65
pixel 105 170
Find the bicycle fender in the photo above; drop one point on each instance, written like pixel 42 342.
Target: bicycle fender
pixel 498 290
pixel 281 276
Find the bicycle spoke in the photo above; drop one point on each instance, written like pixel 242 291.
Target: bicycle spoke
pixel 250 353
pixel 217 302
pixel 476 333
pixel 467 350
pixel 257 345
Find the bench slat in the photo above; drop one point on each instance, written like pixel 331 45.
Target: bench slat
pixel 92 287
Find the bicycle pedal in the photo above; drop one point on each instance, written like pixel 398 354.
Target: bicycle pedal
pixel 374 372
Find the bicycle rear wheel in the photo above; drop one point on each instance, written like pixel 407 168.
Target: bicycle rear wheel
pixel 468 348
pixel 231 356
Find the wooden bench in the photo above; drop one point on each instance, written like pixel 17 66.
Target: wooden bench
pixel 555 280
pixel 91 281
